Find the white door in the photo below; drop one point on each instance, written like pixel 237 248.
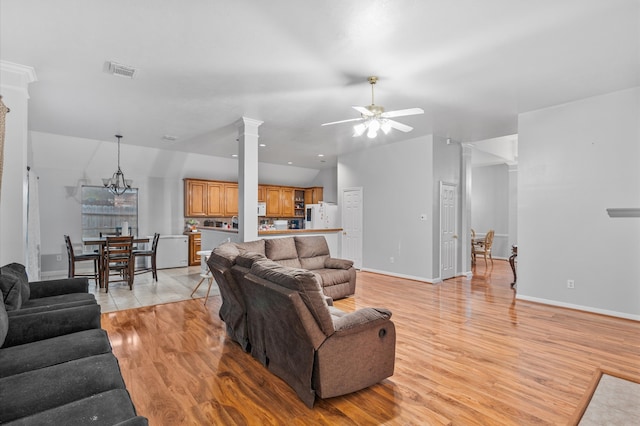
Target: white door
pixel 448 237
pixel 352 225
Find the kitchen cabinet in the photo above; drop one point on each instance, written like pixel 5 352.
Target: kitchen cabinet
pixel 195 244
pixel 298 200
pixel 230 199
pixel 313 195
pixel 280 201
pixel 195 198
pixel 215 198
pixel 262 194
pixel 210 198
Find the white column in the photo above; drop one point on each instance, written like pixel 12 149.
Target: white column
pixel 248 179
pixel 465 208
pixel 14 82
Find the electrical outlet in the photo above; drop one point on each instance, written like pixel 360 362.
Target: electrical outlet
pixel 59 258
pixel 570 284
pixel 392 259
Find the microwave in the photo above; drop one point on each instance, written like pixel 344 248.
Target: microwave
pixel 262 209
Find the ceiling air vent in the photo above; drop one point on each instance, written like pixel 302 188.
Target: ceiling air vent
pixel 121 70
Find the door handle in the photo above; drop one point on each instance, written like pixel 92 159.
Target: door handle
pixel 344 232
pixel 455 236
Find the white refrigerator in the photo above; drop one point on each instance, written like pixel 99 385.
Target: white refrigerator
pixel 321 216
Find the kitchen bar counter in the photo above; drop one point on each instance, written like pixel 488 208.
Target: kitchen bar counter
pixel 212 236
pixel 298 231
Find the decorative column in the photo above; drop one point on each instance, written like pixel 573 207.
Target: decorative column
pixel 14 83
pixel 248 179
pixel 465 208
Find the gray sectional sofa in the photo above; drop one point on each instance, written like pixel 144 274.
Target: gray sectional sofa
pixel 56 363
pixel 280 313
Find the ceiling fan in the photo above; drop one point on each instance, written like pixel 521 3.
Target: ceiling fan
pixel 374 118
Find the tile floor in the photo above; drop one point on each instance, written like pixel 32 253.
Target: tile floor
pixel 173 285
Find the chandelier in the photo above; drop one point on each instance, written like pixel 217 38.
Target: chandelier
pixel 117 184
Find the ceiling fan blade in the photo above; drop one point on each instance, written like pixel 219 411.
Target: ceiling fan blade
pixel 363 111
pixel 400 126
pixel 342 121
pixel 402 112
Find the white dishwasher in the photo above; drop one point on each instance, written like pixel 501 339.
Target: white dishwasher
pixel 173 251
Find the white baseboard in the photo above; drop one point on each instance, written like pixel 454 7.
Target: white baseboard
pixel 409 277
pixel 579 307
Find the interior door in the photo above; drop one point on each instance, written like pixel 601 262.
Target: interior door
pixel 352 226
pixel 448 236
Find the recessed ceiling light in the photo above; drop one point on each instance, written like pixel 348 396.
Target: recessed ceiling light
pixel 320 155
pixel 289 162
pixel 169 138
pixel 234 155
pixel 263 145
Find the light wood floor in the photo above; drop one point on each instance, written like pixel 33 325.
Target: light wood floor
pixel 467 353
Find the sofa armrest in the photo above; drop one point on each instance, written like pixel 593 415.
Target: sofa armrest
pixel 44 325
pixel 333 263
pixel 57 287
pixel 365 317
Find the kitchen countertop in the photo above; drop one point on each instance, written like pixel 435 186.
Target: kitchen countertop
pixel 217 228
pixel 298 231
pixel 273 231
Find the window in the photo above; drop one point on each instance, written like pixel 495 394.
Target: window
pixel 104 213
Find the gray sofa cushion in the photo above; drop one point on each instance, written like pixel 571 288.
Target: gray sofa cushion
pixel 224 255
pixel 34 391
pixel 54 302
pixel 283 251
pixel 302 281
pixel 246 259
pixel 257 246
pixel 13 278
pixel 113 407
pixel 48 352
pixel 4 323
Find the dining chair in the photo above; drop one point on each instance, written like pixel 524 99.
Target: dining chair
pixel 118 261
pixel 84 257
pixel 150 254
pixel 205 273
pixel 484 247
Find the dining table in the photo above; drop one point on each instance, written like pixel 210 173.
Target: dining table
pixel 101 242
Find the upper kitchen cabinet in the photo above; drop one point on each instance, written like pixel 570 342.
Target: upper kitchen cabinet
pixel 230 199
pixel 262 194
pixel 195 198
pixel 313 195
pixel 209 198
pixel 280 201
pixel 215 198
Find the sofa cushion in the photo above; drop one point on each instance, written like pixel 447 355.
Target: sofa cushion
pixel 246 259
pixel 53 351
pixel 302 281
pixel 46 388
pixel 4 323
pixel 113 407
pixel 257 246
pixel 332 263
pixel 311 246
pixel 12 279
pixel 224 255
pixel 61 301
pixel 283 251
pixel 329 277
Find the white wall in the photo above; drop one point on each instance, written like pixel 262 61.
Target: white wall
pixel 328 179
pixel 64 163
pixel 575 161
pixel 397 184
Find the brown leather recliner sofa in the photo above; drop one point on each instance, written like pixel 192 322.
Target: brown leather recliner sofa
pixel 337 276
pixel 283 316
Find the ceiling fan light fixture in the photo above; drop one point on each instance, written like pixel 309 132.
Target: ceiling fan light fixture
pixel 386 127
pixel 359 129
